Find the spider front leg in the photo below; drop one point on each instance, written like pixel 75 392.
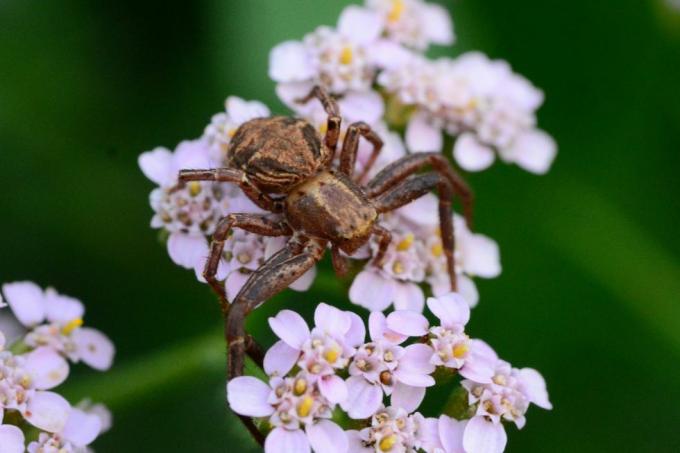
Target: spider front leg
pixel 401 169
pixel 415 187
pixel 334 120
pixel 350 147
pixel 253 223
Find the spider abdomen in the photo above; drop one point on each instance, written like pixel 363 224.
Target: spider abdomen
pixel 330 206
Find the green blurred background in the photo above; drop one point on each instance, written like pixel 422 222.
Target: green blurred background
pixel 590 292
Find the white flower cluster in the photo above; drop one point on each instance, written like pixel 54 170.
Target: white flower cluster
pixel 314 373
pixel 37 341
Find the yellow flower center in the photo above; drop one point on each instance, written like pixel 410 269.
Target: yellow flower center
pixel 194 188
pixel 460 350
pixel 346 55
pixel 332 355
pixel 405 244
pixel 304 408
pixel 71 326
pixel 437 250
pixel 388 442
pixel 397 267
pixel 397 10
pixel 300 387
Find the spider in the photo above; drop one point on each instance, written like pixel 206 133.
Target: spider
pixel 285 167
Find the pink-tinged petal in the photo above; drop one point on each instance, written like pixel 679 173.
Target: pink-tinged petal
pixel 327 437
pixel 365 106
pixel 371 290
pixel 534 151
pixel 363 398
pixel 422 135
pixel 451 434
pixel 81 428
pixel 240 110
pixel 481 348
pixel 480 363
pixel 408 296
pixel 2 343
pixel 47 411
pixel 407 397
pixel 27 301
pixel 11 439
pixel 280 359
pixel 480 256
pixel 471 155
pixel 388 54
pixel 356 334
pixel 191 154
pixel 157 166
pixel 451 309
pixel 468 289
pixel 290 92
pixel 248 396
pixel 356 443
pixel 46 367
pixel 331 320
pixel 377 326
pixel 333 388
pixel 304 282
pixel 422 211
pixel 290 62
pixel 439 28
pixel 281 440
pixel 62 309
pixel 186 250
pixel 94 348
pixel 290 327
pixel 482 436
pixel 427 434
pixel 360 25
pixel 407 322
pixel 533 386
pixel 234 282
pixel 415 367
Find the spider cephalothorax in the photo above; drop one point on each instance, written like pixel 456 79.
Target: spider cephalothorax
pixel 285 167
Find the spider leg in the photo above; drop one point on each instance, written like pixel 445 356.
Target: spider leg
pixel 254 223
pixel 334 120
pixel 401 169
pixel 350 147
pixel 384 242
pixel 339 262
pixel 282 269
pixel 234 176
pixel 415 187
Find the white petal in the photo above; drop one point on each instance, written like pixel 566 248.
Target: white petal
pixel 290 92
pixel 371 290
pixel 186 250
pixel 327 437
pixel 422 211
pixel 360 25
pixel 439 28
pixel 81 428
pixel 356 334
pixel 304 282
pixel 27 301
pixel 451 309
pixel 365 106
pixel 480 256
pixel 482 436
pixel 407 322
pixel 234 282
pixel 280 359
pixel 422 135
pixel 533 385
pixel 290 62
pixel 363 399
pixel 62 309
pixel 191 154
pixel 157 166
pixel 290 327
pixel 11 439
pixel 248 396
pixel 415 367
pixel 333 388
pixel 377 326
pixel 356 443
pixel 407 397
pixel 280 440
pixel 333 321
pixel 94 348
pixel 47 368
pixel 451 434
pixel 471 155
pixel 240 110
pixel 408 296
pixel 468 289
pixel 47 411
pixel 534 151
pixel 388 54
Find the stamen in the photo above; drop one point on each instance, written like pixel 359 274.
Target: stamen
pixel 405 244
pixel 300 387
pixel 387 443
pixel 305 406
pixel 346 55
pixel 437 250
pixel 460 350
pixel 397 10
pixel 332 355
pixel 71 326
pixel 194 188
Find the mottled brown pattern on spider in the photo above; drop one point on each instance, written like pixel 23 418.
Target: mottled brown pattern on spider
pixel 284 166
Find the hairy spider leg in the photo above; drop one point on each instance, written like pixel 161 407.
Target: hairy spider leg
pixel 384 239
pixel 350 148
pixel 415 187
pixel 334 120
